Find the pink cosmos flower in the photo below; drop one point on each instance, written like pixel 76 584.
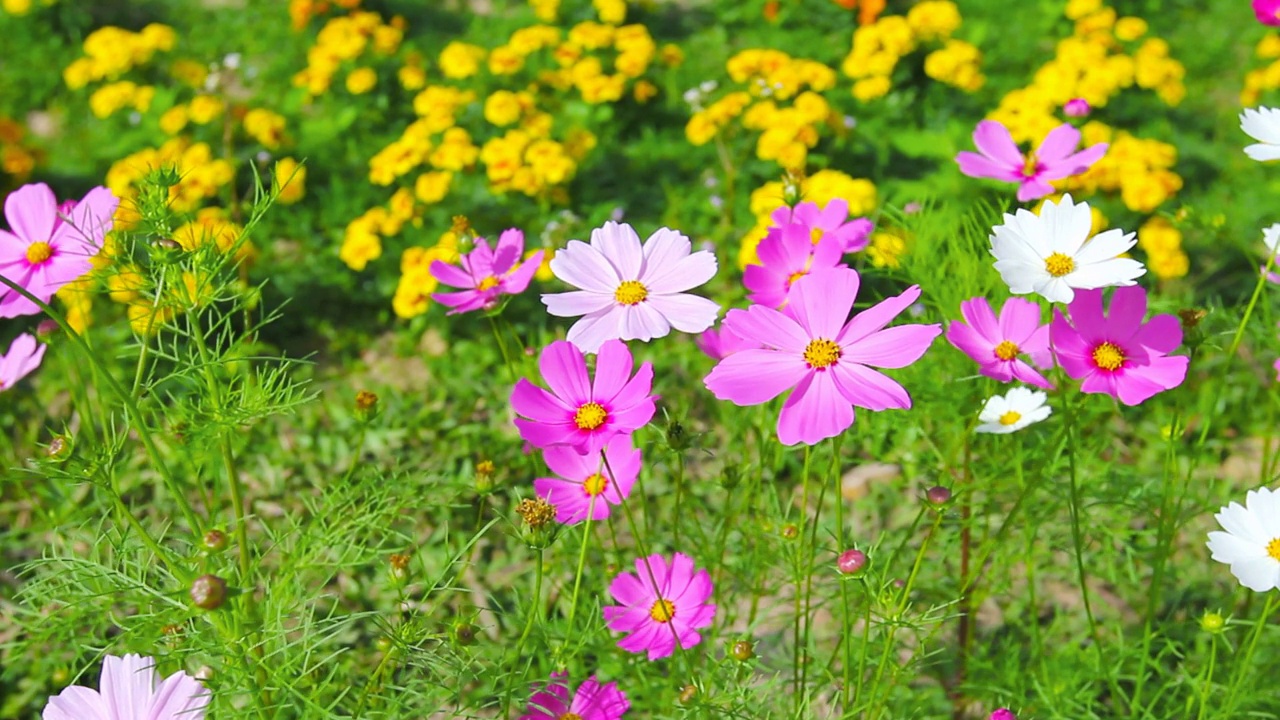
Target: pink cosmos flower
pixel 827 222
pixel 592 701
pixel 1267 12
pixel 997 345
pixel 787 253
pixel 629 291
pixel 43 251
pixel 585 484
pixel 130 689
pixel 23 357
pixel 662 603
pixel 1000 158
pixel 1117 353
pixel 827 360
pixel 486 273
pixel 582 414
pixel 720 344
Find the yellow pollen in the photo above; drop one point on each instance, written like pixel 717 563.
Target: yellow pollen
pixel 595 484
pixel 590 416
pixel 569 716
pixel 796 276
pixel 38 252
pixel 662 611
pixel 630 292
pixel 821 353
pixel 1010 417
pixel 1273 549
pixel 1007 350
pixel 815 235
pixel 1030 166
pixel 488 283
pixel 1108 356
pixel 1058 264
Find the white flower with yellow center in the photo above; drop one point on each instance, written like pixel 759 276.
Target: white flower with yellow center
pixel 1251 543
pixel 629 291
pixel 1262 124
pixel 1052 255
pixel 1016 409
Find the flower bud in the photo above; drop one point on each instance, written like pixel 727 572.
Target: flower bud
pixel 399 567
pixel 214 541
pixel 366 406
pixel 743 650
pixel 59 448
pixel 484 477
pixel 790 531
pixel 852 562
pixel 1212 622
pixel 1076 108
pixel 208 592
pixel 688 693
pixel 463 633
pixel 1003 714
pixel 46 330
pixel 938 496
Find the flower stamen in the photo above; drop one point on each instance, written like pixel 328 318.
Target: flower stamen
pixel 1010 418
pixel 821 353
pixel 1030 166
pixel 1058 264
pixel 590 416
pixel 1273 549
pixel 595 485
pixel 662 611
pixel 1108 356
pixel 631 292
pixel 1007 350
pixel 38 252
pixel 488 283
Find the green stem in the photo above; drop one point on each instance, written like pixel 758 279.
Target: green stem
pixel 799 619
pixel 1244 663
pixel 1206 684
pixel 582 561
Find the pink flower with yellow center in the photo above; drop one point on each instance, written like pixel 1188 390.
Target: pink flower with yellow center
pixel 1056 158
pixel 591 701
pixel 43 250
pixel 131 689
pixel 663 603
pixel 788 253
pixel 998 345
pixel 486 273
pixel 584 484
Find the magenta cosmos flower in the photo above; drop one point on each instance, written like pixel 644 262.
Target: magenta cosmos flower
pixel 131 689
pixel 1000 158
pixel 662 603
pixel 42 251
pixel 24 356
pixel 582 414
pixel 827 360
pixel 1267 12
pixel 486 273
pixel 584 484
pixel 997 345
pixel 720 344
pixel 787 253
pixel 1117 353
pixel 827 222
pixel 629 291
pixel 591 701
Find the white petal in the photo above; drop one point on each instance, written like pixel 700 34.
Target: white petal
pixel 1259 575
pixel 1262 153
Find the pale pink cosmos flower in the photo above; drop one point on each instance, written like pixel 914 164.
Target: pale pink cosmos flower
pixel 578 412
pixel 24 356
pixel 584 484
pixel 131 689
pixel 629 291
pixel 997 345
pixel 1117 353
pixel 43 250
pixel 591 701
pixel 828 222
pixel 720 344
pixel 827 360
pixel 662 603
pixel 787 253
pixel 486 273
pixel 1054 159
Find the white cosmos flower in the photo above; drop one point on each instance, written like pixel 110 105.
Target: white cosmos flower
pixel 1262 124
pixel 1271 238
pixel 1003 414
pixel 1251 543
pixel 628 291
pixel 1051 254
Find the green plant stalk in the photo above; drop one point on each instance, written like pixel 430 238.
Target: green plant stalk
pixel 801 566
pixel 582 561
pixel 1206 682
pixel 1242 664
pixel 813 550
pixel 502 348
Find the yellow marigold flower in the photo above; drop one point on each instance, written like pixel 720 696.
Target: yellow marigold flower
pixel 361 80
pixel 432 187
pixel 1157 235
pixel 545 9
pixel 77 297
pixel 460 60
pixel 412 77
pixel 145 318
pixel 204 109
pixel 17 162
pixel 613 12
pixel 1077 9
pixel 173 120
pixel 747 248
pixel 1169 265
pixel 16 7
pixel 591 35
pixel 401 205
pixel 158 37
pixel 934 19
pixel 1130 28
pixel 886 249
pixel 109 99
pixel 289 179
pixel 543 273
pixel 644 91
pixel 386 39
pixel 413 293
pixel 871 88
pixel 125 284
pixel 360 244
pixel 1269 47
pixel 671 55
pixel 502 108
pixel 265 126
pixel 79 73
pixel 505 60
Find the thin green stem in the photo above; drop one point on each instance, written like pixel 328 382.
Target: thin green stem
pixel 582 561
pixel 801 568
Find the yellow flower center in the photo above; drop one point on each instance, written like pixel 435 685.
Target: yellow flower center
pixel 1010 417
pixel 662 611
pixel 1030 165
pixel 38 252
pixel 1273 549
pixel 595 484
pixel 590 416
pixel 630 292
pixel 1007 350
pixel 796 276
pixel 821 353
pixel 488 283
pixel 1058 264
pixel 1108 356
pixel 815 235
pixel 569 716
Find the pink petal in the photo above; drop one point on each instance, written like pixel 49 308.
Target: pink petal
pixel 1086 315
pixel 594 328
pixel 979 316
pixel 821 300
pixel 516 282
pixel 577 302
pixel 1019 320
pixel 539 405
pixel 993 140
pixel 451 275
pixel 977 166
pixel 32 211
pixel 1075 164
pixel 979 349
pixel 751 377
pixel 583 266
pixel 814 411
pixel 643 322
pixel 543 435
pixel 877 316
pixel 1162 334
pixel 894 347
pixel 1027 374
pixel 864 387
pixel 1033 189
pixel 480 259
pixel 1057 145
pixel 635 394
pixel 1137 384
pixel 620 245
pixel 613 370
pixel 508 251
pixel 127 685
pixel 89 221
pixel 1127 310
pixel 565 371
pixel 76 703
pixel 179 697
pixel 686 313
pixel 767 327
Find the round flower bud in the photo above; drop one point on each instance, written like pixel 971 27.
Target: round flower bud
pixel 59 447
pixel 46 330
pixel 938 496
pixel 852 562
pixel 743 650
pixel 464 633
pixel 208 592
pixel 214 541
pixel 688 693
pixel 1212 622
pixel 1003 714
pixel 790 531
pixel 1075 107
